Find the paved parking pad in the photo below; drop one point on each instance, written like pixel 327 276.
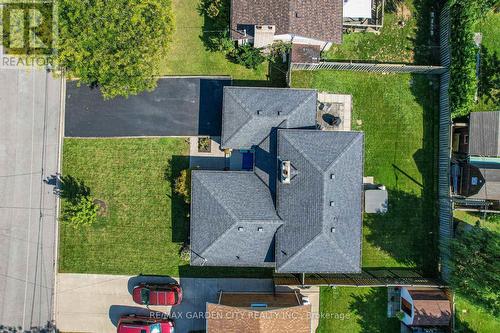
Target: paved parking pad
pixel 94 303
pixel 179 106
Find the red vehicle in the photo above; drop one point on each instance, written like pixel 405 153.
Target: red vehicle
pixel 157 294
pixel 138 324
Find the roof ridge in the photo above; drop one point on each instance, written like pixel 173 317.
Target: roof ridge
pixel 245 109
pixel 341 251
pixel 349 145
pixel 229 211
pixel 304 101
pixel 301 249
pixel 301 152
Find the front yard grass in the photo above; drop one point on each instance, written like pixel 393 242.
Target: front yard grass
pixel 398 114
pixel 353 310
pixel 146 223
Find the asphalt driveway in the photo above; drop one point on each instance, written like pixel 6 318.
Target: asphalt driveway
pixel 179 106
pixel 29 148
pixel 94 303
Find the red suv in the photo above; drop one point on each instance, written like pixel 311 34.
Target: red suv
pixel 157 294
pixel 137 324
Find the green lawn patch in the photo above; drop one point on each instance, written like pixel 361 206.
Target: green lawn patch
pixel 352 309
pixel 188 54
pixel 472 318
pixel 145 223
pixel 404 38
pixel 398 114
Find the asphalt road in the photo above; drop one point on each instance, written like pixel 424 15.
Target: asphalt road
pixel 29 146
pixel 179 106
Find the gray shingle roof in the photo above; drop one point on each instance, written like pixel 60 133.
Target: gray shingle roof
pixel 325 193
pixel 317 19
pixel 249 114
pixel 484 138
pixel 226 211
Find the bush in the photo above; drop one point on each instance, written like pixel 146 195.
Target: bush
pixel 212 8
pixel 248 56
pixel 183 185
pixel 81 213
pixel 279 49
pixel 476 268
pixel 221 43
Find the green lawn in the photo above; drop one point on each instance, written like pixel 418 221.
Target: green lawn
pixel 351 309
pixel 489 26
pixel 188 55
pixel 398 114
pixel 402 43
pixel 146 224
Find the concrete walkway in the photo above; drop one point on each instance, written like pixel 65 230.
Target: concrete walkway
pixel 94 303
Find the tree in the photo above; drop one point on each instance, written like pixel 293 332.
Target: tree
pixel 183 185
pixel 81 213
pixel 115 45
pixel 476 267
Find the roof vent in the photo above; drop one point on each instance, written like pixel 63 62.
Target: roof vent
pixel 259 111
pixel 286 168
pixel 332 229
pixel 279 113
pixel 238 257
pixel 260 229
pixel 332 176
pixel 240 228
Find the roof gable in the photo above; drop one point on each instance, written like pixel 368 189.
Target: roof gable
pixel 326 192
pixel 249 114
pixel 227 210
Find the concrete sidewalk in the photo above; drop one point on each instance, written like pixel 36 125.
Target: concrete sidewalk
pixel 94 303
pixel 30 110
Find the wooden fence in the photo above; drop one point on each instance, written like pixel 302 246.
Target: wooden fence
pixel 445 203
pixel 384 277
pixel 368 67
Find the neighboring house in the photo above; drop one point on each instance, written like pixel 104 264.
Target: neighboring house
pixel 260 22
pixel 259 313
pixel 299 208
pixel 476 160
pixel 425 310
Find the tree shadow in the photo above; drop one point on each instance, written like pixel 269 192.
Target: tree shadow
pixel 72 189
pixel 371 308
pixel 118 311
pixel 151 279
pixel 187 271
pixel 179 209
pixel 426 42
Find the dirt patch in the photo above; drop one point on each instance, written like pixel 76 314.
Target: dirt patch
pixel 403 12
pixel 103 207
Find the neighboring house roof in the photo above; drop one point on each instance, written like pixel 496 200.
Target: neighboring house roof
pixel 484 138
pixel 305 53
pixel 316 19
pixel 233 220
pixel 322 203
pixel 480 182
pixel 431 307
pixel 225 319
pixel 249 115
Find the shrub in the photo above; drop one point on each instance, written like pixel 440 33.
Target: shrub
pixel 182 185
pixel 221 43
pixel 211 8
pixel 248 56
pixel 400 315
pixel 279 49
pixel 476 267
pixel 81 213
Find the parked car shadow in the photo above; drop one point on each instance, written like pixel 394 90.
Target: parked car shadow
pixel 134 281
pixel 118 311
